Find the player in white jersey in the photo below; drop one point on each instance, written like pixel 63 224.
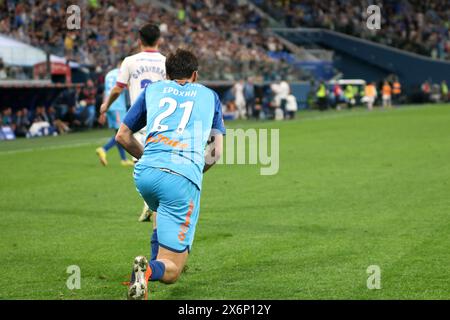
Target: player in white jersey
pixel 136 72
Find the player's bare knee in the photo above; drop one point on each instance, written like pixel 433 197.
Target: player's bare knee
pixel 172 276
pixel 170 280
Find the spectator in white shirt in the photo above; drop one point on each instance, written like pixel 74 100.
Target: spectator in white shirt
pixel 239 99
pixel 291 106
pixel 281 91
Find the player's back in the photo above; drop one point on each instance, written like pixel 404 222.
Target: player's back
pixel 179 122
pixel 141 69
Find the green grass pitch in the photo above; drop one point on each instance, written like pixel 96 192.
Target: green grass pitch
pixel 354 189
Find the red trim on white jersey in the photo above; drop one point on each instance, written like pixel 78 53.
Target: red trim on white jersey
pixel 121 85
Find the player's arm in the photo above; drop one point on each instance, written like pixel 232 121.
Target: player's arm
pixel 215 142
pixel 134 121
pixel 127 140
pixel 114 94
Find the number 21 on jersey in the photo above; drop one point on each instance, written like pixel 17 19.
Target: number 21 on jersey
pixel 172 106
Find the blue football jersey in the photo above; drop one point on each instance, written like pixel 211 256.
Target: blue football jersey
pixel 179 120
pixel 110 81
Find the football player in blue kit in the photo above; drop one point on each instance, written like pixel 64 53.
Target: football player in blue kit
pixel 182 118
pixel 115 115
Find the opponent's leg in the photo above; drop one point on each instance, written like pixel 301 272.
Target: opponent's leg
pixel 146 214
pixel 153 218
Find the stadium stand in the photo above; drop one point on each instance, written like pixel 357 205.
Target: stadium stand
pixel 413 25
pixel 229 48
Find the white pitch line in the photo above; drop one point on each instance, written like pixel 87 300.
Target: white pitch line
pixel 65 146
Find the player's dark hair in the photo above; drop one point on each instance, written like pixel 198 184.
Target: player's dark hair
pixel 149 34
pixel 181 64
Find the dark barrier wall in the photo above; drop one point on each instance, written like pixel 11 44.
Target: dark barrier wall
pixel 301 90
pixel 359 58
pixel 18 97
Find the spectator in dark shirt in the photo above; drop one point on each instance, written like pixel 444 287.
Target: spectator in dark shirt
pixel 57 123
pixel 21 122
pixel 87 103
pixel 6 119
pixel 70 119
pixel 26 115
pixel 40 115
pixel 249 95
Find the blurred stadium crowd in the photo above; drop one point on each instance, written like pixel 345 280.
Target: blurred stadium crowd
pixel 228 36
pixel 421 26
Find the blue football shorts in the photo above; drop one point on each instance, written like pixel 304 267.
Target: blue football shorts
pixel 115 118
pixel 177 203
